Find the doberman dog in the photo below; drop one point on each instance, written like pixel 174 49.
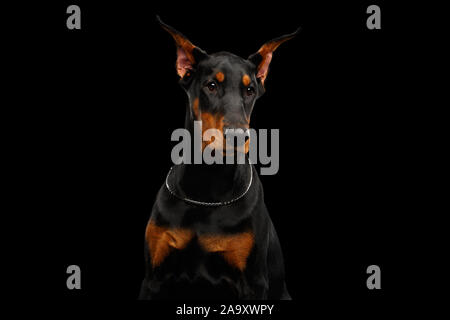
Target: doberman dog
pixel 209 235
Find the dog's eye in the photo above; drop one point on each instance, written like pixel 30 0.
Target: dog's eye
pixel 212 86
pixel 250 91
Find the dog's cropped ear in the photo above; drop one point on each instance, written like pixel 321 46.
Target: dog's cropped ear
pixel 263 56
pixel 188 55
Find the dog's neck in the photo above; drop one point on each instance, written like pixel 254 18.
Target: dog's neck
pixel 211 183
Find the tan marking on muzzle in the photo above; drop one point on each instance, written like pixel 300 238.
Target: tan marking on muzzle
pixel 195 108
pixel 242 148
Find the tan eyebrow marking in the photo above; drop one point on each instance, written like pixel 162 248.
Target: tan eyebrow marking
pixel 246 80
pixel 220 76
pixel 212 121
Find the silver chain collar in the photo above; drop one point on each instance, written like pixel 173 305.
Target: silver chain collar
pixel 209 204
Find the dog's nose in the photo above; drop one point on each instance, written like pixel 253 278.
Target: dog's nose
pixel 241 136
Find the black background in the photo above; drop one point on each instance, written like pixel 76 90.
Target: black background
pixel 109 100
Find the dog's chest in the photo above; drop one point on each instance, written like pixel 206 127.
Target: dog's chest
pixel 234 247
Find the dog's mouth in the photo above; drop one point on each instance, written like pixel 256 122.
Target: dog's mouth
pixel 226 146
pixel 237 149
pixel 227 150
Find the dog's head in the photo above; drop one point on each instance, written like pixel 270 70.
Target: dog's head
pixel 222 87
